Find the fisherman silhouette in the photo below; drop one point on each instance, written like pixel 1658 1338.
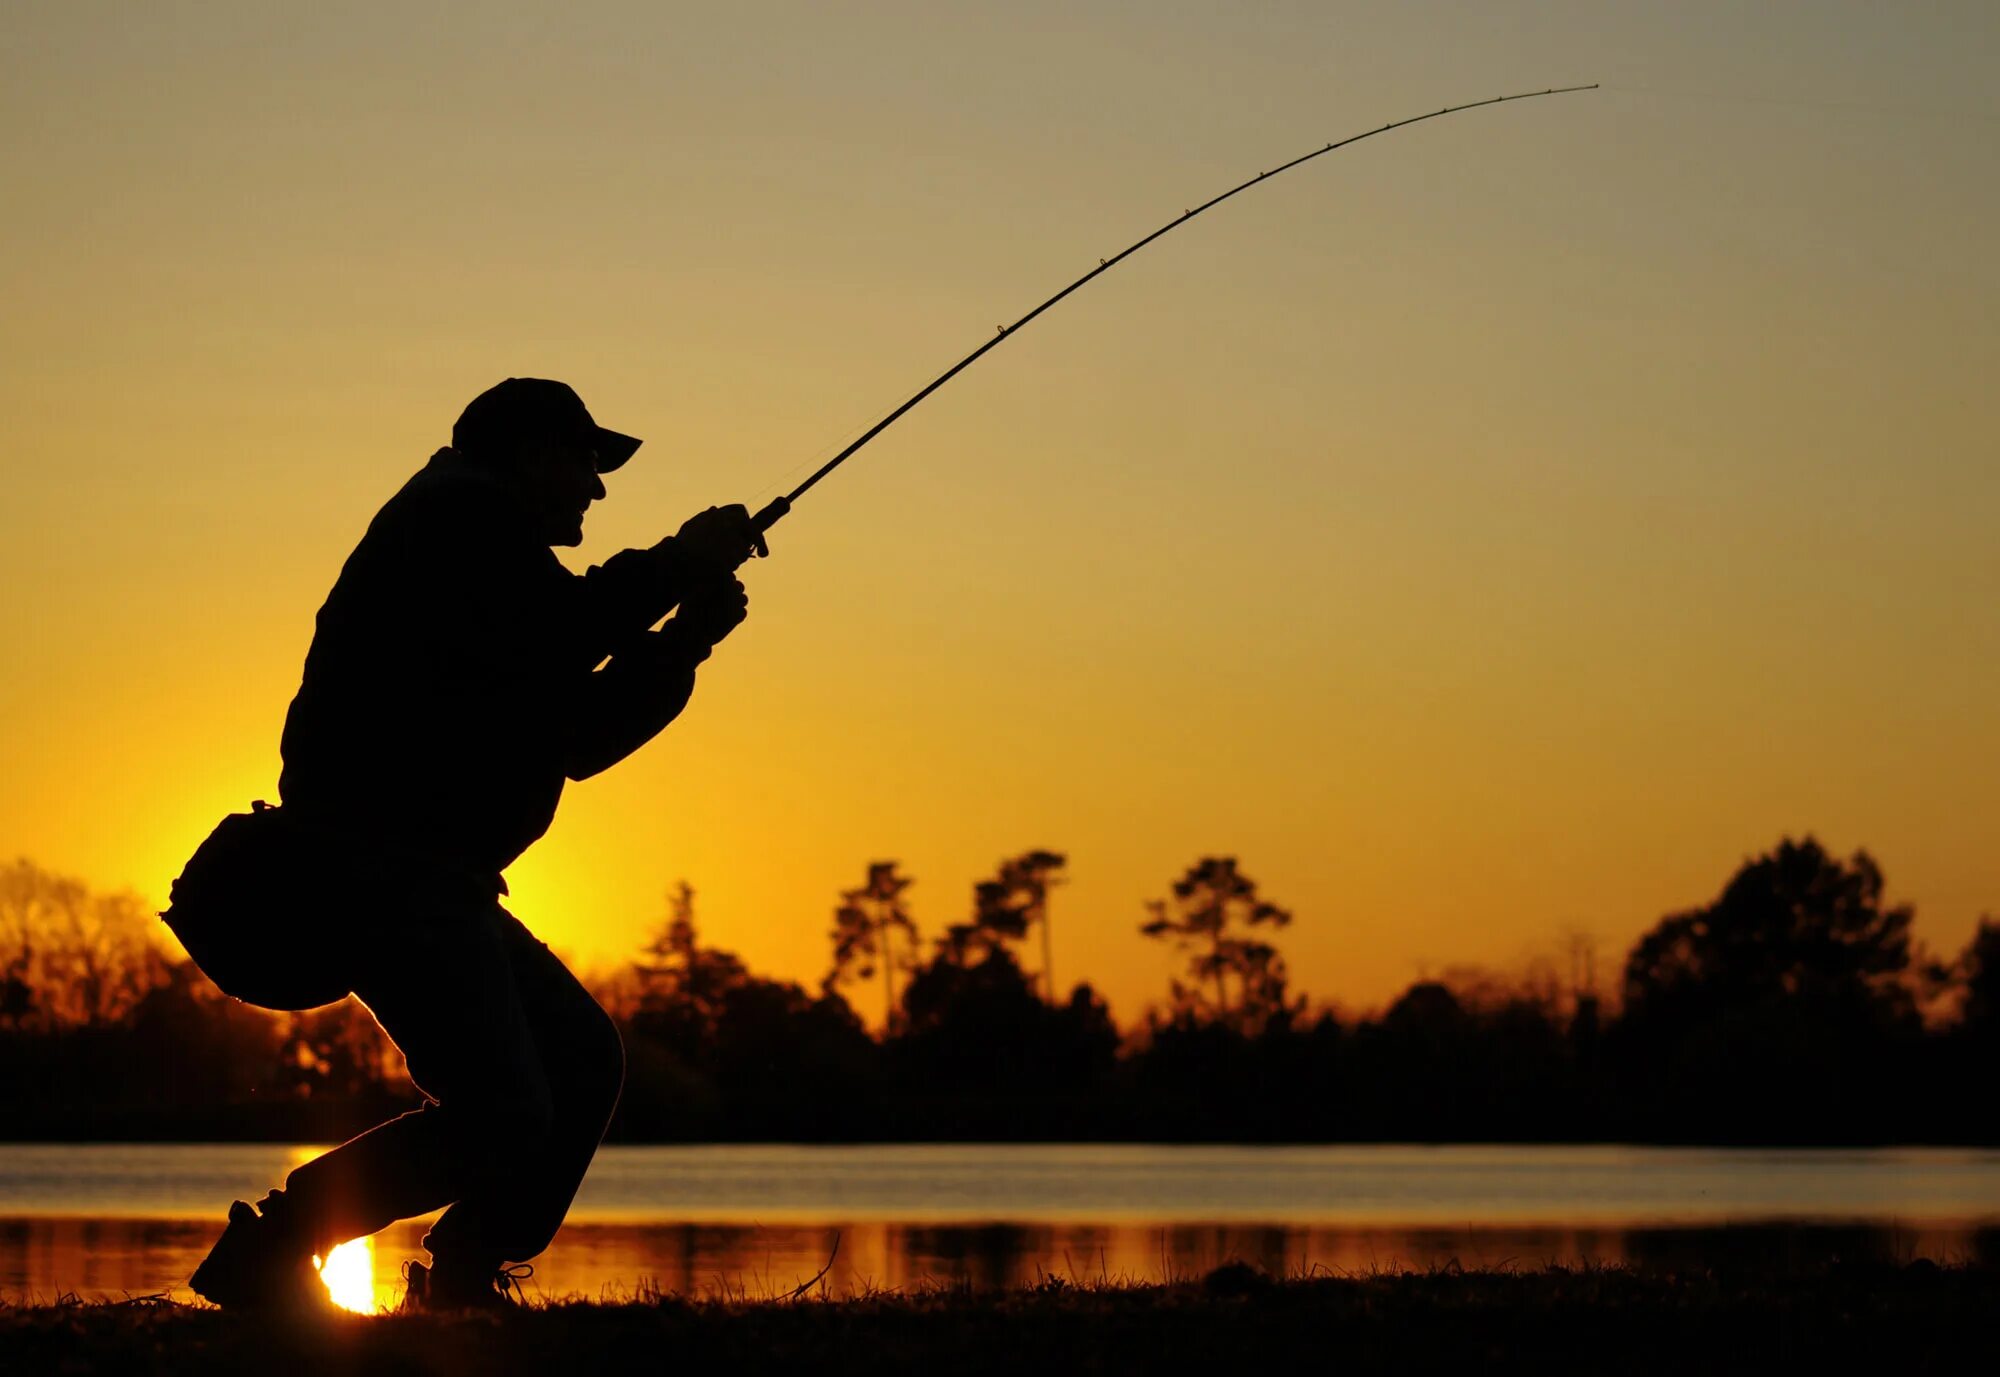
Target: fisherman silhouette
pixel 458 676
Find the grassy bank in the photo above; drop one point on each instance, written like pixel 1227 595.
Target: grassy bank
pixel 1919 1318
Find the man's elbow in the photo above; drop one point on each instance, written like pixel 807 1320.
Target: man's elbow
pixel 597 754
pixel 601 750
pixel 578 770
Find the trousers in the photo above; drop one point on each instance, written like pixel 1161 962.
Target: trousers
pixel 520 1069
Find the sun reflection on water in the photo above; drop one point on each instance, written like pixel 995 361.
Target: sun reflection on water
pixel 349 1274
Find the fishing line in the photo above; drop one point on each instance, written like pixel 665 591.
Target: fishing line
pixel 771 514
pixel 818 455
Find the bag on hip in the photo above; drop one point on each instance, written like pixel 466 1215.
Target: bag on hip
pixel 256 909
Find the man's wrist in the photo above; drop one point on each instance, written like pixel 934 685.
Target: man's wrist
pixel 668 562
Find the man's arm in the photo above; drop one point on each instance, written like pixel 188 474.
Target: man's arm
pixel 627 702
pixel 646 685
pixel 614 603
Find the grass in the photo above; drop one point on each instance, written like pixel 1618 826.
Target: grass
pixel 1884 1318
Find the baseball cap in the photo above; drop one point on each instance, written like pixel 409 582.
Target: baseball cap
pixel 528 409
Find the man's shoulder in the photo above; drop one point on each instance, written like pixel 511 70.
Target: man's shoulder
pixel 449 503
pixel 449 488
pixel 447 521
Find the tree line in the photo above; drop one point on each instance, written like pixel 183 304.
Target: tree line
pixel 1797 1006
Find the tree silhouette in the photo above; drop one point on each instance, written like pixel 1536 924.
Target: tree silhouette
pixel 709 1044
pixel 1796 1007
pixel 864 928
pixel 1793 923
pixel 976 1034
pixel 683 986
pixel 1212 907
pixel 70 958
pixel 1977 971
pixel 672 947
pixel 1007 907
pixel 1784 1007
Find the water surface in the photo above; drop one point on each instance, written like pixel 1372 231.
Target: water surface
pixel 106 1219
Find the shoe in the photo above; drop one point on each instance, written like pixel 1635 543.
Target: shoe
pixel 258 1265
pixel 434 1289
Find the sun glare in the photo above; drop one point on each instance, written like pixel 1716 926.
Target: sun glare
pixel 349 1274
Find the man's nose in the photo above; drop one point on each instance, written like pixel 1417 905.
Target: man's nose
pixel 596 487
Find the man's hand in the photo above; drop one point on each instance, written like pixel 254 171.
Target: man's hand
pixel 712 544
pixel 712 610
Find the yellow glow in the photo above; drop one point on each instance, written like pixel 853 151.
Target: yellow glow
pixel 1495 530
pixel 349 1274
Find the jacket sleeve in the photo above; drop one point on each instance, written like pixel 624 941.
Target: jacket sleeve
pixel 613 604
pixel 626 703
pixel 493 589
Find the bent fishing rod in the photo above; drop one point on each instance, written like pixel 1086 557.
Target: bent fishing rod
pixel 770 515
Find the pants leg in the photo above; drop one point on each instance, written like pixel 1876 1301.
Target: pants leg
pixel 522 1070
pixel 517 1201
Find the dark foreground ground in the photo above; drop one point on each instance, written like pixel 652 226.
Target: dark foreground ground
pixel 1882 1319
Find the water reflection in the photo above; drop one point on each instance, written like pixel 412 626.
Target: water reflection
pixel 42 1258
pixel 750 1220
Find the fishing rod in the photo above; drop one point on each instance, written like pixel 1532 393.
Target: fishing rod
pixel 770 515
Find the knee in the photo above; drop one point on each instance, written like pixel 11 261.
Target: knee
pixel 521 1116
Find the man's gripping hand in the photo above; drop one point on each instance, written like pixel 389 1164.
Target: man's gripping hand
pixel 712 610
pixel 707 614
pixel 712 544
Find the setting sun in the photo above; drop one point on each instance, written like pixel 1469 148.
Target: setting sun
pixel 349 1274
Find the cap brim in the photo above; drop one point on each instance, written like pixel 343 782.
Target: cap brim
pixel 613 449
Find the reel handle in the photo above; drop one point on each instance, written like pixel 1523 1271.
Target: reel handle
pixel 763 521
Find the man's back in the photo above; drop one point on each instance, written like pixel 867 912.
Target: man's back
pixel 432 706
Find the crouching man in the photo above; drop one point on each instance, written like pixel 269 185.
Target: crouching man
pixel 459 674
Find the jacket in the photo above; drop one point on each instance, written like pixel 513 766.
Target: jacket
pixel 458 674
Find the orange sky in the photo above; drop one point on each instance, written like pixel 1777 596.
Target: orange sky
pixel 1498 528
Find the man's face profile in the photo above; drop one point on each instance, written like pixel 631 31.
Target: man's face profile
pixel 556 481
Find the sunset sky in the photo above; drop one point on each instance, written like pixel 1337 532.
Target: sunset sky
pixel 1496 529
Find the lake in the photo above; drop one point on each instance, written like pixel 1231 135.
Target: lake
pixel 112 1219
